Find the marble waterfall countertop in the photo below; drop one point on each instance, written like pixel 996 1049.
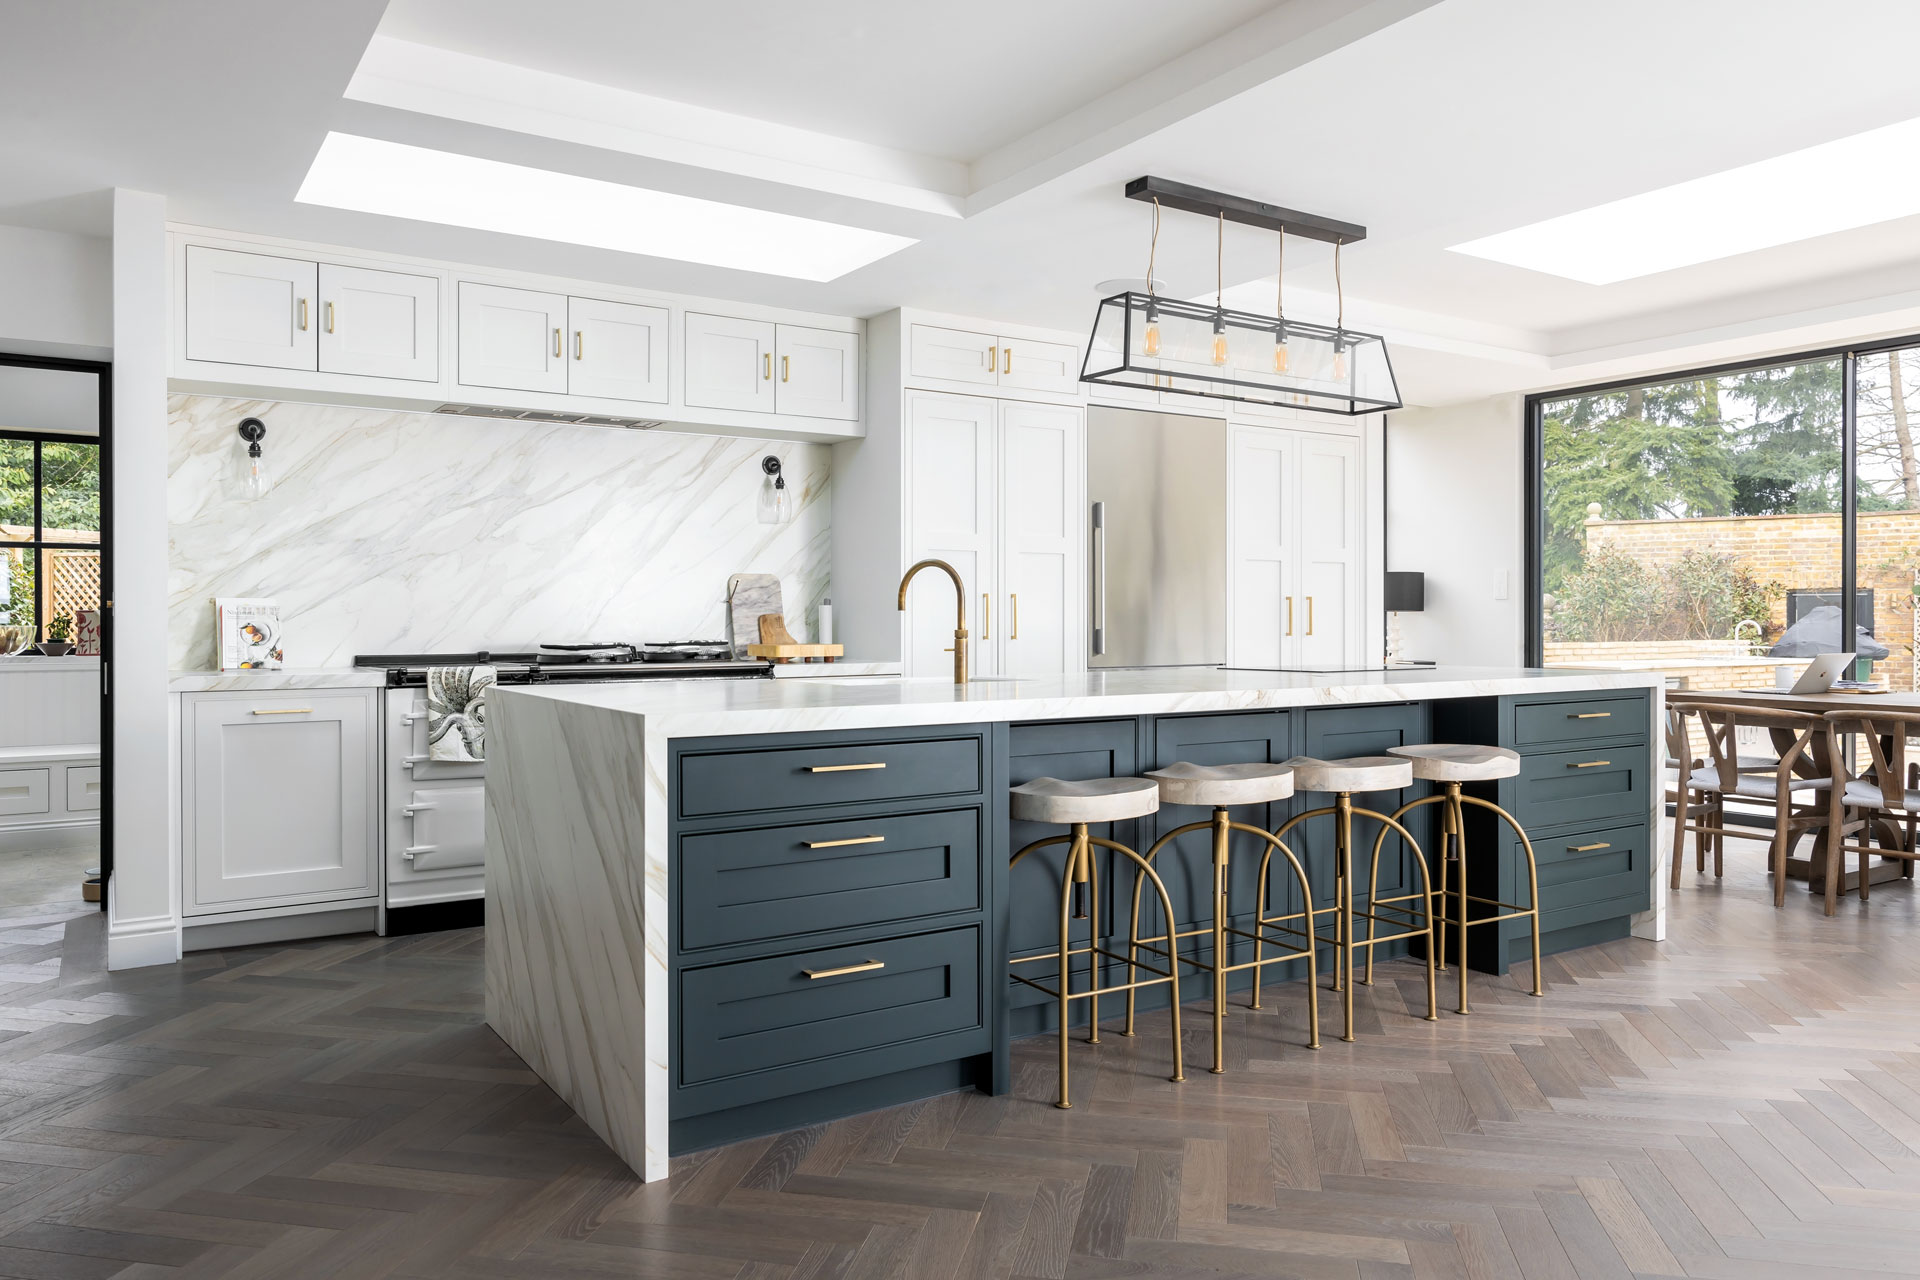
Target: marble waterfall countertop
pixel 281 678
pixel 578 856
pixel 705 707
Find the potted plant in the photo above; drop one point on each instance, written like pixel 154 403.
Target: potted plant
pixel 59 641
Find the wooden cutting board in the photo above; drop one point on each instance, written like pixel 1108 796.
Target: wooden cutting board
pixel 777 643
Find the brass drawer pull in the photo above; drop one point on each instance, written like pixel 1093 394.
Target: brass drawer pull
pixel 285 711
pixel 841 768
pixel 556 344
pixel 866 966
pixel 1589 764
pixel 1588 848
pixel 1589 715
pixel 835 844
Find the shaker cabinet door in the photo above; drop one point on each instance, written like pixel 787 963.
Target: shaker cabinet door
pixel 729 363
pixel 819 372
pixel 279 800
pixel 617 350
pixel 379 324
pixel 1042 538
pixel 512 338
pixel 1330 554
pixel 952 517
pixel 250 308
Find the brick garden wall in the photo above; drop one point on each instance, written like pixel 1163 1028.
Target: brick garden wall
pixel 1800 552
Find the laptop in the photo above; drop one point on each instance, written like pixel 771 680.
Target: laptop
pixel 1819 677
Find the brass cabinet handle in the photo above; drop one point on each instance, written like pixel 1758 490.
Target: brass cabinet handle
pixel 1006 356
pixel 835 844
pixel 1589 764
pixel 303 315
pixel 284 711
pixel 783 368
pixel 1588 848
pixel 329 314
pixel 1309 615
pixel 986 616
pixel 1013 602
pixel 841 768
pixel 556 344
pixel 579 344
pixel 768 375
pixel 1589 715
pixel 993 358
pixel 1289 615
pixel 867 966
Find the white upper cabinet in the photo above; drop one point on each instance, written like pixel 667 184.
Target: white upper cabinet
pixel 1024 364
pixel 379 324
pixel 1042 533
pixel 617 350
pixel 250 308
pixel 1297 549
pixel 819 372
pixel 512 338
pixel 954 355
pixel 729 363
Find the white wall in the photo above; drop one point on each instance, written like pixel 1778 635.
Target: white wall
pixel 1454 512
pixel 391 532
pixel 143 922
pixel 56 294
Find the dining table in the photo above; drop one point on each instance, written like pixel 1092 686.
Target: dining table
pixel 1813 867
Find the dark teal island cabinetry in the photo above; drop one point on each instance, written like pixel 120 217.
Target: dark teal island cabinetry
pixel 841 912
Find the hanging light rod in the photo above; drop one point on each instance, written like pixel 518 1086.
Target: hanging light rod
pixel 1253 213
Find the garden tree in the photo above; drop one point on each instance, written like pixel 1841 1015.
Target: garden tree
pixel 69 507
pixel 1887 460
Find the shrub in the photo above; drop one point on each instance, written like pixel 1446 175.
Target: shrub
pixel 1613 597
pixel 1703 595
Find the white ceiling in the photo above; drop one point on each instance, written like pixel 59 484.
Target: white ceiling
pixel 999 134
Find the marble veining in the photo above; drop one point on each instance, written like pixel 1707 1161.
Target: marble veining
pixel 391 532
pixel 283 678
pixel 569 923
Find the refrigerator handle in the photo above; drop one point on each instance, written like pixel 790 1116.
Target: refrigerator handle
pixel 1099 579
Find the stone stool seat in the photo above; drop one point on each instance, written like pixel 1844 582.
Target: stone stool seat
pixel 1222 785
pixel 1459 762
pixel 1360 773
pixel 1096 800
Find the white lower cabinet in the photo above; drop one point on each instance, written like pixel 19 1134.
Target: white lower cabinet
pixel 1296 549
pixel 994 489
pixel 279 797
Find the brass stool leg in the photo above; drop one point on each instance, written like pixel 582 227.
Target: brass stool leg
pixel 1220 821
pixel 1343 853
pixel 1532 913
pixel 1066 953
pixel 1455 818
pixel 1091 875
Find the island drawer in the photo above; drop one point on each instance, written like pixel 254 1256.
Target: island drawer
pixel 1589 874
pixel 834 772
pixel 1576 720
pixel 805 877
pixel 785 1011
pixel 1557 788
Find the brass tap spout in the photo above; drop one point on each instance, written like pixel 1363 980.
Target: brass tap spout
pixel 959 615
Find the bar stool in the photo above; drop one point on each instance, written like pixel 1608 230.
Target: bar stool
pixel 1343 778
pixel 1218 787
pixel 1077 805
pixel 1451 764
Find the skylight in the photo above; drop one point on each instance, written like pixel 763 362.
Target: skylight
pixel 1835 186
pixel 373 176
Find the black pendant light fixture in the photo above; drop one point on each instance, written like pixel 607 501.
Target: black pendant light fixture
pixel 1156 343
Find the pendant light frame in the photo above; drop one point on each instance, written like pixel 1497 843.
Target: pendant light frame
pixel 1115 356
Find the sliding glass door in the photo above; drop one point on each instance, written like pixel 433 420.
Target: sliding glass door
pixel 1725 525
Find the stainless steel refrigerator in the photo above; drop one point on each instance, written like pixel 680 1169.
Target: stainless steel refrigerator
pixel 1157 483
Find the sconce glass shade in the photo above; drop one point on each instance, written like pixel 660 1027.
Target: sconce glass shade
pixel 775 505
pixel 1330 370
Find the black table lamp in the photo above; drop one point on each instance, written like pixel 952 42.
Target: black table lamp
pixel 1404 593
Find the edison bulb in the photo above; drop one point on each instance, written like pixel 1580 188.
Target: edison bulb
pixel 1219 346
pixel 1281 359
pixel 1340 364
pixel 1150 339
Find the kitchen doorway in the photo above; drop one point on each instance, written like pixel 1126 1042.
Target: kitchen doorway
pixel 56 564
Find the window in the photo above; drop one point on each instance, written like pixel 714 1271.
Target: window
pixel 1714 525
pixel 49 533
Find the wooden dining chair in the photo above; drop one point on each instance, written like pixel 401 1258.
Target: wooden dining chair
pixel 1886 797
pixel 1793 787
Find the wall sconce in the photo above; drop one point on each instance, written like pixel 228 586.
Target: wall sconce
pixel 776 502
pixel 258 482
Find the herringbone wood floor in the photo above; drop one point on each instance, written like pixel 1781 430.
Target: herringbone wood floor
pixel 1741 1101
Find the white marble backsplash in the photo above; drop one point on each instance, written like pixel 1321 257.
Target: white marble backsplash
pixel 390 532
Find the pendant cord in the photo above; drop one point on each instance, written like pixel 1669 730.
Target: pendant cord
pixel 1153 246
pixel 1339 293
pixel 1220 262
pixel 1279 279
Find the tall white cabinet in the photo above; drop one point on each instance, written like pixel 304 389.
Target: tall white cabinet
pixel 994 488
pixel 1296 542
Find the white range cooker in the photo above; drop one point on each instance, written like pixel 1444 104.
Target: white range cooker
pixel 433 812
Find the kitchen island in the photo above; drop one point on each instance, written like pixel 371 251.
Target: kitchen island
pixel 724 908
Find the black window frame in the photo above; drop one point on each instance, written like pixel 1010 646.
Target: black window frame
pixel 38 544
pixel 1533 468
